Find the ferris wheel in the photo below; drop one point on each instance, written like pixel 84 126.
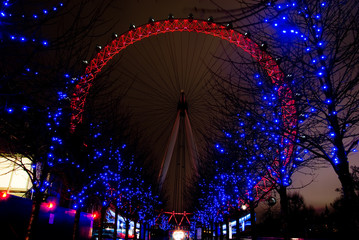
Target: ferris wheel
pixel 165 73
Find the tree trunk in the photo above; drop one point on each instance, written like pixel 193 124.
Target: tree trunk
pixel 253 220
pixel 148 231
pixel 221 229
pixel 141 230
pixel 227 229
pixel 350 202
pixel 102 219
pixel 134 230
pixel 127 228
pixel 202 232
pixel 32 227
pixel 284 210
pixel 75 231
pixel 115 225
pixel 238 231
pixel 211 230
pixel 216 226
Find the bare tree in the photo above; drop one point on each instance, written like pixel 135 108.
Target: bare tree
pixel 41 49
pixel 325 67
pixel 316 42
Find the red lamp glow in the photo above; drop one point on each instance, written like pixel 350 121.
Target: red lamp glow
pixel 50 205
pixel 3 194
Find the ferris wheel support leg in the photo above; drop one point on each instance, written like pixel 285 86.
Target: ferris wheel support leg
pixel 169 151
pixel 191 143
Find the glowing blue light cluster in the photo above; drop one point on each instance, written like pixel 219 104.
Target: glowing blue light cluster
pixel 7 17
pixel 23 39
pixel 6 11
pixel 16 108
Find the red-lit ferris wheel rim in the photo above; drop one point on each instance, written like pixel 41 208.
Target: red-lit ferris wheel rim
pixel 199 26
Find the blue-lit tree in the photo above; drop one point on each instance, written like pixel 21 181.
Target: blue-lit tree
pixel 212 199
pixel 252 151
pixel 316 43
pixel 139 200
pixel 103 172
pixel 101 184
pixel 136 199
pixel 208 205
pixel 35 59
pixel 320 43
pixel 115 147
pixel 27 139
pixel 115 178
pixel 245 151
pixel 256 139
pixel 213 202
